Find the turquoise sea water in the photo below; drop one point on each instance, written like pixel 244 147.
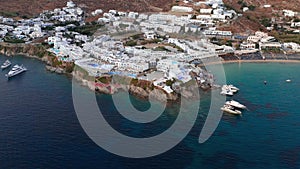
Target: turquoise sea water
pixel 39 127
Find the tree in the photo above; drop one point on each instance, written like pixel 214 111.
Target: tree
pixel 266 22
pixel 252 7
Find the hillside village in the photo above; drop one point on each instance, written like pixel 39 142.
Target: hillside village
pixel 156 47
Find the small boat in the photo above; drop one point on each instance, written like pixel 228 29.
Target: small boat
pixel 230 87
pixel 6 64
pixel 233 88
pixel 226 92
pixel 236 104
pixel 16 70
pixel 230 109
pixel 288 80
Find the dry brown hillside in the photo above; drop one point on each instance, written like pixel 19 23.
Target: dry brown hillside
pixel 33 7
pixel 251 20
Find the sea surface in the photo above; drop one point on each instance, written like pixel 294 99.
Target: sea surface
pixel 39 127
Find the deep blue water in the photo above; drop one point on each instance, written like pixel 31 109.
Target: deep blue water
pixel 39 127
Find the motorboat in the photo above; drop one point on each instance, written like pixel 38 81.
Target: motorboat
pixel 6 64
pixel 226 92
pixel 288 80
pixel 236 104
pixel 230 87
pixel 16 70
pixel 230 109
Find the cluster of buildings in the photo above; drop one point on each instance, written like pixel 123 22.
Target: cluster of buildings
pixel 107 56
pixel 134 61
pixel 209 10
pixel 166 23
pixel 261 41
pixel 4 29
pixel 100 55
pixel 213 12
pixel 26 30
pixel 70 13
pixel 30 29
pixel 259 38
pixel 289 13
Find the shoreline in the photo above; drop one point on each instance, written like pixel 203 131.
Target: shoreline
pixel 250 61
pixel 134 90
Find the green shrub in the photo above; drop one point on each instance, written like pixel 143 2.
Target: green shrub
pixel 131 43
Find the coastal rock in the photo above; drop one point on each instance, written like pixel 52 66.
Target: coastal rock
pixel 50 68
pixel 158 95
pixel 187 94
pixel 138 91
pixel 55 70
pixel 59 71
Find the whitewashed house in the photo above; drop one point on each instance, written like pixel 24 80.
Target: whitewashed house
pixel 295 24
pixel 289 13
pixel 166 64
pixel 181 9
pixel 150 35
pixel 133 15
pixel 71 4
pixel 246 45
pixel 206 11
pixel 97 12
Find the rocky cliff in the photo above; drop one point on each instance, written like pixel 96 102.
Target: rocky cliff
pixel 31 50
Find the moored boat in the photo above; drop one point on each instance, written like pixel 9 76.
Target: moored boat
pixel 226 92
pixel 230 109
pixel 6 64
pixel 16 70
pixel 236 104
pixel 231 88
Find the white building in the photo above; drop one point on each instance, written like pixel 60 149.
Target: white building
pixel 83 38
pixel 150 35
pixel 295 24
pixel 97 12
pixel 267 6
pixel 245 9
pixel 289 13
pixel 133 15
pixel 253 39
pixel 269 45
pixel 166 64
pixel 268 39
pixel 206 11
pixel 181 9
pixel 294 46
pixel 218 33
pixel 71 4
pixel 247 46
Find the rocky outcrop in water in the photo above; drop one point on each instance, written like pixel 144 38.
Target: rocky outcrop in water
pixel 144 92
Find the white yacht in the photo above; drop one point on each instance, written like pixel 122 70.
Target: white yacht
pixel 236 104
pixel 230 109
pixel 16 70
pixel 226 92
pixel 231 88
pixel 6 64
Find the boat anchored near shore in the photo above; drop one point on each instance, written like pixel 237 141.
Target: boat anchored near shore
pixel 229 90
pixel 6 64
pixel 230 109
pixel 16 70
pixel 236 104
